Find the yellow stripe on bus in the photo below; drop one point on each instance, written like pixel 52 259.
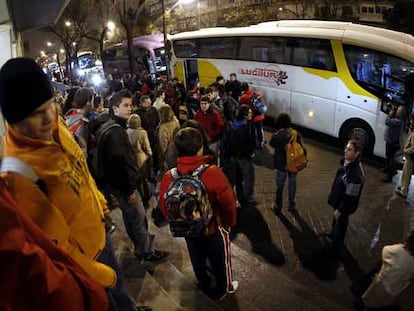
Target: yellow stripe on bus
pixel 207 72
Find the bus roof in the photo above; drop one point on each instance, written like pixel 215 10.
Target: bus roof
pixel 388 41
pixel 149 42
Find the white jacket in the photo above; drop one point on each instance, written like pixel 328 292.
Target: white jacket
pixel 393 281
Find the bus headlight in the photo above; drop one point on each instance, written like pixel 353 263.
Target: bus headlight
pixel 311 114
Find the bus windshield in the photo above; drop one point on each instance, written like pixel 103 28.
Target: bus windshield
pixel 148 54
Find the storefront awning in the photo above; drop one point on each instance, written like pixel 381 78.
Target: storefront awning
pixel 27 15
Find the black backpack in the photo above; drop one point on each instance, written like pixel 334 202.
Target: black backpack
pixel 98 129
pixel 231 108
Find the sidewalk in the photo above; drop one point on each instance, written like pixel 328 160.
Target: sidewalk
pixel 304 281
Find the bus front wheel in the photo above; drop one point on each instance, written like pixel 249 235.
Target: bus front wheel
pixel 361 131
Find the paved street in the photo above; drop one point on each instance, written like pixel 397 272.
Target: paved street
pixel 306 281
pixel 379 210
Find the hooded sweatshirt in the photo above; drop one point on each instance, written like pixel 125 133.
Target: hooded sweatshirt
pixel 219 190
pixel 72 212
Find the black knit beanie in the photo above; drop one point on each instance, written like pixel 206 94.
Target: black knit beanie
pixel 23 88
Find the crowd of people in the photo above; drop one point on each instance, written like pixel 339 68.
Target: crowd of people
pixel 67 163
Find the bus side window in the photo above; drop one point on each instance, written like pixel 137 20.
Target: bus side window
pixel 217 48
pixel 313 53
pixel 299 56
pixel 185 48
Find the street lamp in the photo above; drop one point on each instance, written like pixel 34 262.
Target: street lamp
pixel 56 56
pixel 164 30
pixel 111 25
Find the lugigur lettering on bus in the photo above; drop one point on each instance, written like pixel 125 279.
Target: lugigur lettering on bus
pixel 276 76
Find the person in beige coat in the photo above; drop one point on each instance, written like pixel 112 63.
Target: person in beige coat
pixel 393 284
pixel 138 138
pixel 407 170
pixel 167 129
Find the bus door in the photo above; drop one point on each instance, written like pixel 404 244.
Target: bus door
pixel 191 73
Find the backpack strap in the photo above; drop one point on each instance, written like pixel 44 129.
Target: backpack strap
pixel 196 173
pixel 15 165
pixel 199 170
pixel 174 173
pixel 293 136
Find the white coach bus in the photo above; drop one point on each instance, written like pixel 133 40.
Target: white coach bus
pixel 332 77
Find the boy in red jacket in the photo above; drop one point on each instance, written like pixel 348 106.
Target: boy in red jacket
pixel 215 246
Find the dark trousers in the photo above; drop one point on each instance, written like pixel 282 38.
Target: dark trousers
pixel 216 250
pixel 117 296
pixel 136 224
pixel 243 179
pixel 144 191
pixel 259 133
pixel 390 152
pixel 339 226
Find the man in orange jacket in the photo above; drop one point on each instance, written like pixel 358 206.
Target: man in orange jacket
pixel 65 202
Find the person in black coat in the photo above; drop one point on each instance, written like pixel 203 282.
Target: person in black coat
pixel 279 141
pixel 233 87
pixel 345 191
pixel 121 179
pixel 241 145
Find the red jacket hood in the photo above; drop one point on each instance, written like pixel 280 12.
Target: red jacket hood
pixel 190 163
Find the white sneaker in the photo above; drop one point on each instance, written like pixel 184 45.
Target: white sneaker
pixel 235 285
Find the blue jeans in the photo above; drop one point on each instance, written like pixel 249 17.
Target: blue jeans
pixel 117 296
pixel 136 225
pixel 280 183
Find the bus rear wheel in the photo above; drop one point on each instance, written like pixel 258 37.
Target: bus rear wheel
pixel 361 131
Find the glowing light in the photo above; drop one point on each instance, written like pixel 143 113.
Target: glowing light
pixel 111 25
pixel 96 79
pixel 311 114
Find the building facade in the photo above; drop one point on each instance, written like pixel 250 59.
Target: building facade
pixel 196 14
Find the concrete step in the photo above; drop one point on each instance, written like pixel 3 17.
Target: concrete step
pixel 261 285
pixel 172 286
pixel 181 289
pixel 177 276
pixel 165 288
pixel 141 286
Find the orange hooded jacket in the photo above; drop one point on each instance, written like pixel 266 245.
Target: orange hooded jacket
pixel 72 212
